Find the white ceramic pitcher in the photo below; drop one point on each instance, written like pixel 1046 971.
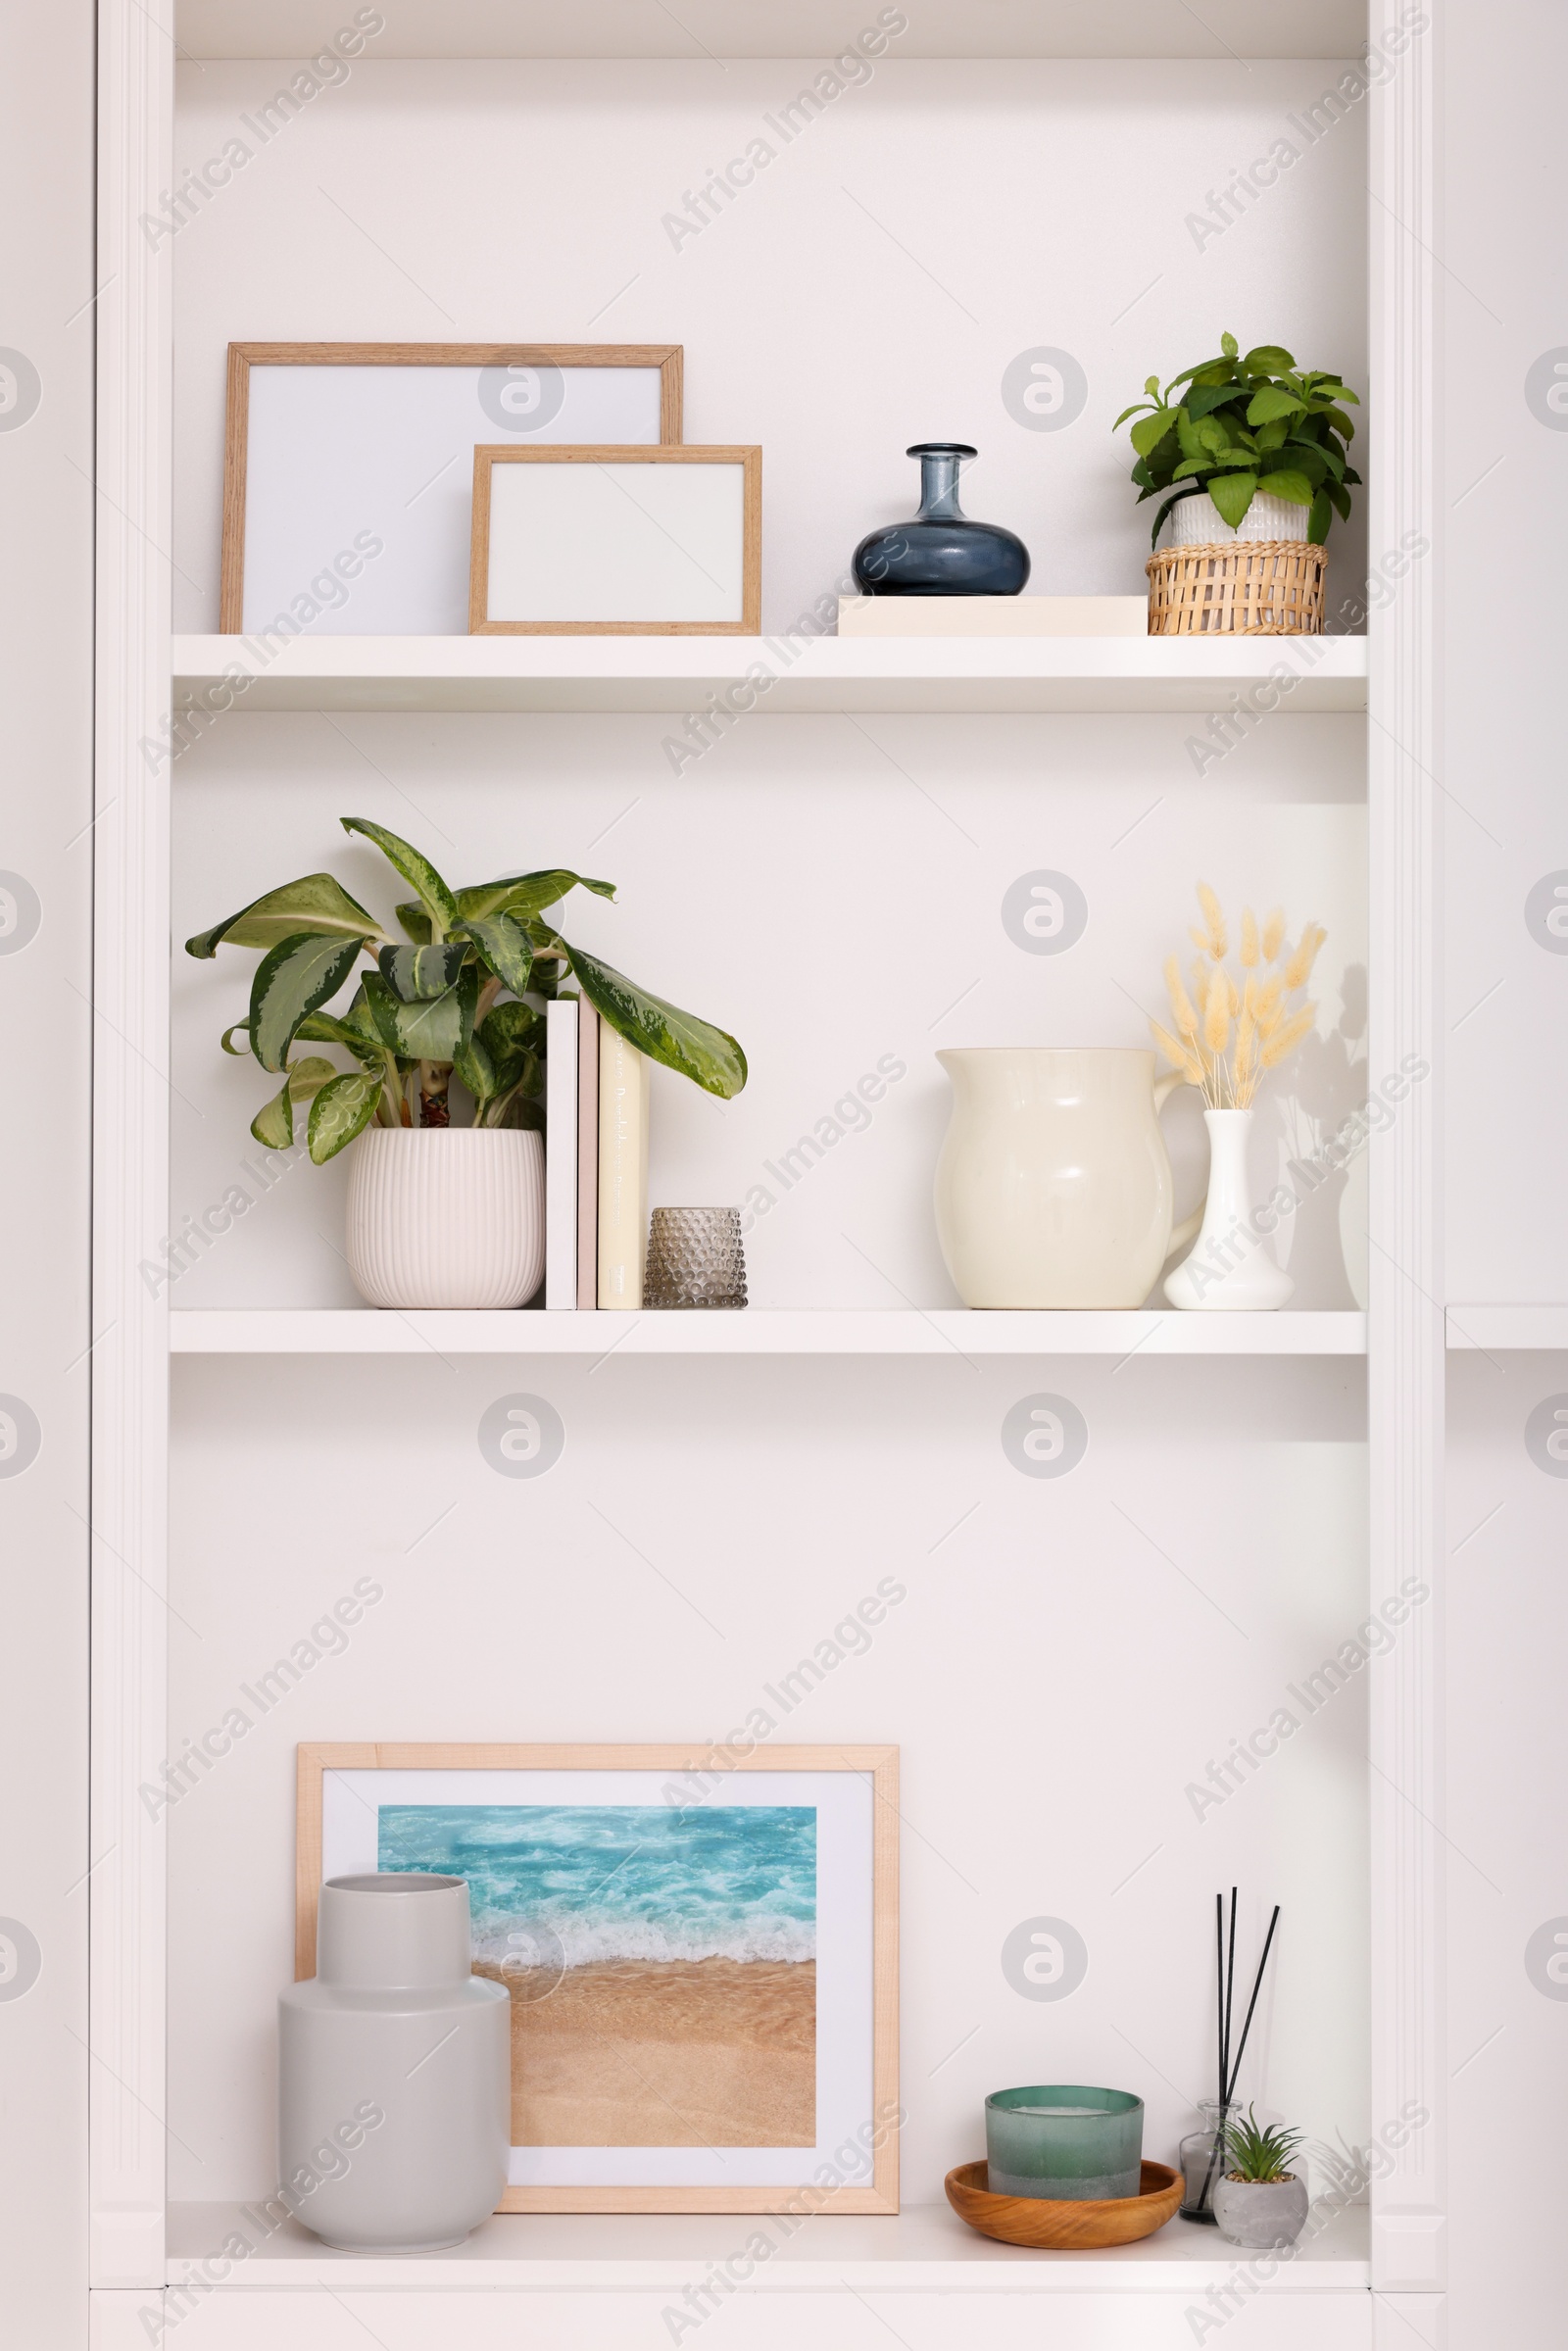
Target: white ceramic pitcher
pixel 1053 1186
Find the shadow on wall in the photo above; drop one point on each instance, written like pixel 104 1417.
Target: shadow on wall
pixel 1326 1249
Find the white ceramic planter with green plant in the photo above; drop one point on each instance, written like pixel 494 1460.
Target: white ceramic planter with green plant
pixel 439 1215
pixel 1258 2200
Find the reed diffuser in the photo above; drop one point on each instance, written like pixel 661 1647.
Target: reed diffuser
pixel 1202 2152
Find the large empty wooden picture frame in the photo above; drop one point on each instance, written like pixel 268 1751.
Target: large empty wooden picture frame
pixel 348 468
pixel 617 541
pixel 700 1946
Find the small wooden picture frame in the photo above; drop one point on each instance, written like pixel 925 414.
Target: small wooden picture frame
pixel 699 1945
pixel 332 444
pixel 617 541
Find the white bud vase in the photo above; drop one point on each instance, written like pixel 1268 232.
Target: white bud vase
pixel 1230 1269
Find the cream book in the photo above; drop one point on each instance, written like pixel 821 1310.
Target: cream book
pixel 587 1156
pixel 623 1170
pixel 561 1153
pixel 992 616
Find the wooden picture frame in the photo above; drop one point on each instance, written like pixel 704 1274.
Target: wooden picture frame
pixel 245 357
pixel 749 583
pixel 342 1825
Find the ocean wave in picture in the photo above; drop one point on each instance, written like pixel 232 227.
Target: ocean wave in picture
pixel 579 1883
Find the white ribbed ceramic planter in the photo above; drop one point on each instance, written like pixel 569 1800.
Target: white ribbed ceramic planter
pixel 447 1216
pixel 1196 523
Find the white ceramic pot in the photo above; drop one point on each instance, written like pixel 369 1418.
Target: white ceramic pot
pixel 1053 1187
pixel 394 2118
pixel 447 1216
pixel 1260 2213
pixel 1230 1269
pixel 1196 523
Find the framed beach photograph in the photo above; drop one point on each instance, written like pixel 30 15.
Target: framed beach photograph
pixel 700 1954
pixel 348 468
pixel 617 541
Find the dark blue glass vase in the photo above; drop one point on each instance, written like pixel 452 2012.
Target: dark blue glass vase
pixel 941 553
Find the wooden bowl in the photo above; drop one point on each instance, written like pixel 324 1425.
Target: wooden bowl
pixel 1064 2228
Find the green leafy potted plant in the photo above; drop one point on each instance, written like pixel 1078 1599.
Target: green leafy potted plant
pixel 1258 2200
pixel 438 1215
pixel 1243 448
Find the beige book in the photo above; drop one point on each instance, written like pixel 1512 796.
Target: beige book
pixel 623 1170
pixel 992 616
pixel 587 1156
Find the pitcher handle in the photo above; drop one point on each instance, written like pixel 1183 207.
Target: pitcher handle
pixel 1187 1232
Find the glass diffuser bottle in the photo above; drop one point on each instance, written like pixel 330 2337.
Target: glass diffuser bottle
pixel 942 551
pixel 1203 2160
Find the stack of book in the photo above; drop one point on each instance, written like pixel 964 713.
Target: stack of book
pixel 595 1161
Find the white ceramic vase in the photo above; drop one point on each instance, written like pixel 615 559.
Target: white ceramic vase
pixel 1053 1186
pixel 394 2118
pixel 1230 1269
pixel 447 1216
pixel 1262 2214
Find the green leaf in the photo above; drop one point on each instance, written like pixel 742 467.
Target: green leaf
pixel 1212 436
pixel 324 1028
pixel 1191 465
pixel 1272 402
pixel 1229 345
pixel 1340 500
pixel 1169 507
pixel 430 1030
pixel 523 894
pixel 1267 359
pixel 1292 487
pixel 1136 409
pixel 240 1028
pixel 1147 434
pixel 339 1113
pixel 1306 459
pixel 1232 494
pixel 505 945
pixel 316 903
pixel 476 1068
pixel 291 981
pixel 274 1124
pixel 1272 436
pixel 1204 399
pixel 1342 424
pixel 439 905
pixel 709 1056
pixel 1319 518
pixel 417 973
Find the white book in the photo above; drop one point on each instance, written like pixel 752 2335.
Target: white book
pixel 623 1170
pixel 587 1156
pixel 560 1153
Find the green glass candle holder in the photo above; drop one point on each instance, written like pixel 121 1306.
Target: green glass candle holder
pixel 1064 2143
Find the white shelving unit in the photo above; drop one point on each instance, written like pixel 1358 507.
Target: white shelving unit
pixel 775 675
pixel 842 884
pixel 905 1331
pixel 1504 1329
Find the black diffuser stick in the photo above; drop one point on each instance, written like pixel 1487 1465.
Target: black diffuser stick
pixel 1252 2003
pixel 1220 1985
pixel 1225 2075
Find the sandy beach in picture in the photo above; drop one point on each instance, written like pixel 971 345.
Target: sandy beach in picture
pixel 665 2053
pixel 661 1963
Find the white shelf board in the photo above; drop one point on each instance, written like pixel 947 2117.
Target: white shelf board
pixel 677 674
pixel 367 1331
pixel 924 2248
pixel 1491 1328
pixel 1224 29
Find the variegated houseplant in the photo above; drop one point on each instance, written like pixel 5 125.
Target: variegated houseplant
pixel 460 992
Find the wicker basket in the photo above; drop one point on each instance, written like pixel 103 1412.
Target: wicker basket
pixel 1247 587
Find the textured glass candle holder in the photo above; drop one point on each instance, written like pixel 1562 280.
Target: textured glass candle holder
pixel 695 1259
pixel 1064 2143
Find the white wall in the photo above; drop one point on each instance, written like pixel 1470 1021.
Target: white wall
pixel 46 586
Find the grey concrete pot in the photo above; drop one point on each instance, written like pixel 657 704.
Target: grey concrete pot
pixel 1263 2214
pixel 395 2092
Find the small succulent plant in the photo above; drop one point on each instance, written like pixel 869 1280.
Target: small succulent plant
pixel 1259 2154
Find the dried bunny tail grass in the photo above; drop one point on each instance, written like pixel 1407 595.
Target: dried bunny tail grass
pixel 1183 1011
pixel 1299 970
pixel 1285 1041
pixel 1178 1054
pixel 1271 1001
pixel 1218 1013
pixel 1199 939
pixel 1233 995
pixel 1214 919
pixel 1248 947
pixel 1274 934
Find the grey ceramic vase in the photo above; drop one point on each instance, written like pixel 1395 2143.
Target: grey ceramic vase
pixel 394 2091
pixel 1262 2214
